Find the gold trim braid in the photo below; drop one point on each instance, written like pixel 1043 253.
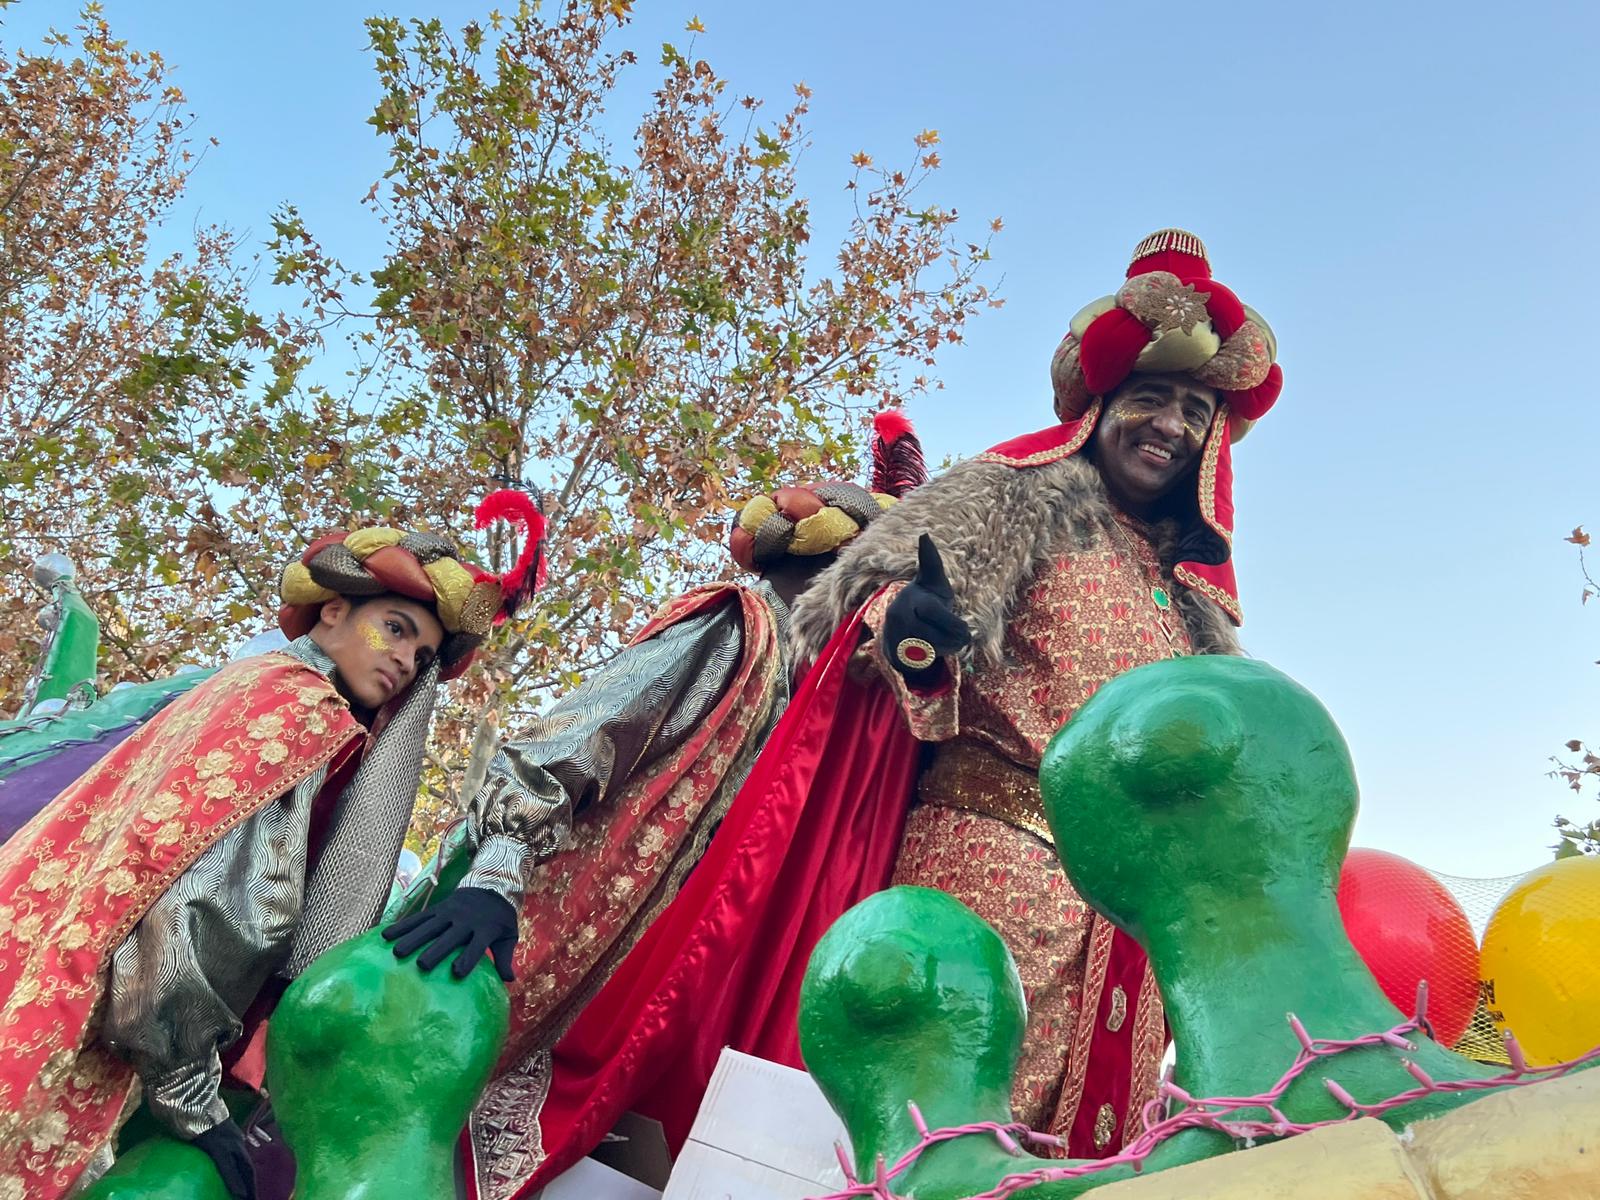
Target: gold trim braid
pixel 1190 580
pixel 1208 471
pixel 1040 458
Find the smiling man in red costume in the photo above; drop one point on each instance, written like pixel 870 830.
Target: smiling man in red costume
pixel 1038 571
pixel 154 909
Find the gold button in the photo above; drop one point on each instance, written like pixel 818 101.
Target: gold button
pixel 1105 1124
pixel 1119 1009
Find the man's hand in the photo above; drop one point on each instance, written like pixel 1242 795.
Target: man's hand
pixel 226 1145
pixel 922 623
pixel 469 917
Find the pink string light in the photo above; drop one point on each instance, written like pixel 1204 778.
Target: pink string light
pixel 1220 1114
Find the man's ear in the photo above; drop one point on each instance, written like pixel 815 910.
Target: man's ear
pixel 333 611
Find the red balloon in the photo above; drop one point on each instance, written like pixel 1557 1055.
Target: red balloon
pixel 1407 926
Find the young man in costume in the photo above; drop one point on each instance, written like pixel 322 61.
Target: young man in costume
pixel 963 629
pixel 638 765
pixel 158 905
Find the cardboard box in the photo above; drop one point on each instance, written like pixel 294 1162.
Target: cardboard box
pixel 637 1146
pixel 591 1180
pixel 764 1132
pixel 705 1173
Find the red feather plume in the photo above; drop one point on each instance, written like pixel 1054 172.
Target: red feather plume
pixel 527 574
pixel 897 464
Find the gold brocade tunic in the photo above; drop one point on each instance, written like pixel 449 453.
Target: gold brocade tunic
pixel 979 833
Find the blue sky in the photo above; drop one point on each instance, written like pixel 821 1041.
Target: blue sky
pixel 1406 191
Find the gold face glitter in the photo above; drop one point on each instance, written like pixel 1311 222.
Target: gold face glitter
pixel 1128 410
pixel 374 637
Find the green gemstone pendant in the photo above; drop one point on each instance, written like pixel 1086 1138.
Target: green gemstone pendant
pixel 1159 595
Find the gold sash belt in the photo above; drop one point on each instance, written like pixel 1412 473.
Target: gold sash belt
pixel 968 775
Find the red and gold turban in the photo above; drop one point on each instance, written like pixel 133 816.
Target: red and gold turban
pixel 804 521
pixel 1170 316
pixel 425 567
pixel 819 518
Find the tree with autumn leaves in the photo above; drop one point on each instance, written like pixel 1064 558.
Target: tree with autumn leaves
pixel 115 359
pixel 1579 768
pixel 645 334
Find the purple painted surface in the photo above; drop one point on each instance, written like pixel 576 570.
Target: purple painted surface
pixel 28 789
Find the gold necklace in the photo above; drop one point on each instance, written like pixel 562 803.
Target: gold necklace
pixel 1159 595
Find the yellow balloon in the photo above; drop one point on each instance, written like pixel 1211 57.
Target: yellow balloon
pixel 1541 961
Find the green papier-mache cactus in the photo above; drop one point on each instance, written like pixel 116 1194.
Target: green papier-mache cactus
pixel 1205 805
pixel 374 1067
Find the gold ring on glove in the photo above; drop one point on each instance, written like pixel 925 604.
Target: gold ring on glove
pixel 915 653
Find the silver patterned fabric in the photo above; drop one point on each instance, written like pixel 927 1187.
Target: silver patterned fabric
pixel 200 955
pixel 196 960
pixel 350 885
pixel 643 705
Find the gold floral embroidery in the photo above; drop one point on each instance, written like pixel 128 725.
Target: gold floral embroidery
pixel 273 752
pixel 266 727
pixel 100 823
pixel 212 764
pixel 652 843
pixel 220 787
pixel 49 1131
pixel 49 876
pixel 163 806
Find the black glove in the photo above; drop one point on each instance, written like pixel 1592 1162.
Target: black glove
pixel 226 1145
pixel 475 918
pixel 922 622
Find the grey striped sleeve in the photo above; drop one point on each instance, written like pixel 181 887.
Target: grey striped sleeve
pixel 642 705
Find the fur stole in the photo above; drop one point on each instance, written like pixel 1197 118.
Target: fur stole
pixel 996 527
